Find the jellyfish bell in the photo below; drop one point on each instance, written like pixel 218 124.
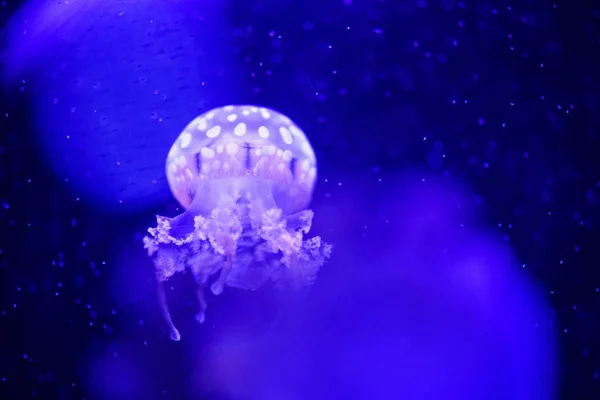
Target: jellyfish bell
pixel 231 144
pixel 245 177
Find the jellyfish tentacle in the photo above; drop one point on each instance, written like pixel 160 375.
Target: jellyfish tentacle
pixel 200 266
pixel 218 285
pixel 202 262
pixel 168 253
pixel 299 278
pixel 201 315
pixel 162 301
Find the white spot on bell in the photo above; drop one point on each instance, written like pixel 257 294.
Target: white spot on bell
pixel 263 132
pixel 296 131
pixel 201 124
pixel 213 132
pixel 186 139
pixel 207 153
pixel 287 155
pixel 231 117
pixel 286 135
pixel 265 113
pixel 240 129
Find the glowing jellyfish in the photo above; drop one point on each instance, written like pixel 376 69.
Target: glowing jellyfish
pixel 245 176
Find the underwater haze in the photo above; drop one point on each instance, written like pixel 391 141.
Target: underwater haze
pixel 282 199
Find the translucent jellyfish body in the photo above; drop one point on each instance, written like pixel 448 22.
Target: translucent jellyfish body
pixel 245 176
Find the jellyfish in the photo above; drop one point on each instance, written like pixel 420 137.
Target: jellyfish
pixel 245 177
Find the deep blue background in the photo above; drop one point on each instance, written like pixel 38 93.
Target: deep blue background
pixel 495 98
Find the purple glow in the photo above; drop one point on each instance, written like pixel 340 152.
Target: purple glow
pixel 422 305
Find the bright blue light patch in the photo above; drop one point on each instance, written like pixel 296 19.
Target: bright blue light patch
pixel 113 83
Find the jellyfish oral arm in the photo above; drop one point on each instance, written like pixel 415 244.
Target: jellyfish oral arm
pixel 273 249
pixel 222 231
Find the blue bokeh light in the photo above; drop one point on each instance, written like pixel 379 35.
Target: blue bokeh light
pixel 113 83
